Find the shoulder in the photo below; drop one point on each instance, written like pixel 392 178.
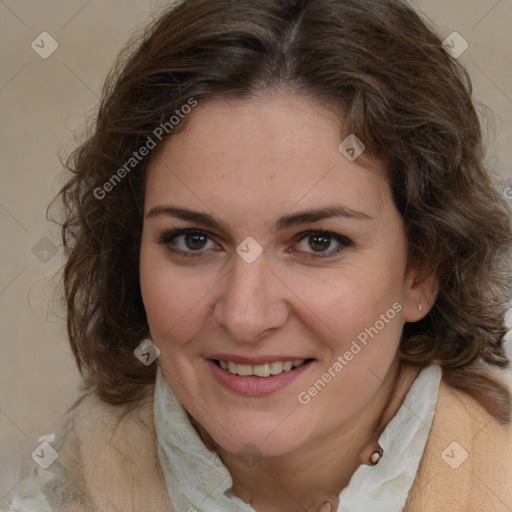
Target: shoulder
pixel 467 463
pixel 107 460
pixel 91 420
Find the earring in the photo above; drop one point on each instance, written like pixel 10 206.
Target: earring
pixel 420 307
pixel 375 457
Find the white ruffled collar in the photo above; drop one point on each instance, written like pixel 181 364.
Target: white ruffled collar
pixel 198 480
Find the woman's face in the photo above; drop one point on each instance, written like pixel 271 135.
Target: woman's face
pixel 257 282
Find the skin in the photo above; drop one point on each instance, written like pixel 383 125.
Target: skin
pixel 249 163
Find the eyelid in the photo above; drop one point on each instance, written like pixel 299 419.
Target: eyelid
pixel 173 233
pixel 340 238
pixel 169 236
pixel 343 241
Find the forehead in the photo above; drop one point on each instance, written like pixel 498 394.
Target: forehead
pixel 260 153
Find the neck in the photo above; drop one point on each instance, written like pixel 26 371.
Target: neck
pixel 319 471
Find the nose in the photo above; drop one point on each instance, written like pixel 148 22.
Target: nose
pixel 252 301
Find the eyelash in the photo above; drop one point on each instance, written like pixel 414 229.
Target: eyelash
pixel 343 241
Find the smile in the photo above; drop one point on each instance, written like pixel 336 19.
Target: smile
pixel 259 370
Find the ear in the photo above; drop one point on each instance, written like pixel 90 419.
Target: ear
pixel 420 288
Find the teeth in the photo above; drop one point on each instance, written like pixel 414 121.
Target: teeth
pixel 287 366
pixel 243 369
pixel 276 367
pixel 260 370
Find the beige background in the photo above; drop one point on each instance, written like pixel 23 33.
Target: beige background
pixel 43 100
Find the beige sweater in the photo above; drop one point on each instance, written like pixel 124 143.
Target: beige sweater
pixel 109 463
pixel 483 482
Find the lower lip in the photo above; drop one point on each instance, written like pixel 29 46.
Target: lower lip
pixel 256 386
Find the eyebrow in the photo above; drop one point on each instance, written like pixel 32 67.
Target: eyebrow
pixel 287 221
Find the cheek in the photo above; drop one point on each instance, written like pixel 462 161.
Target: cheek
pixel 339 306
pixel 172 300
pixel 359 325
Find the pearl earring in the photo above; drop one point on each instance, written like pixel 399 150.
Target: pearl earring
pixel 325 507
pixel 375 457
pixel 420 307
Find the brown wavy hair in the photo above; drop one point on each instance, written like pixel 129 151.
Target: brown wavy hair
pixel 403 95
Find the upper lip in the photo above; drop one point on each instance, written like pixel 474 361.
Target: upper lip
pixel 254 360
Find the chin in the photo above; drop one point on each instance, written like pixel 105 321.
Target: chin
pixel 257 447
pixel 269 437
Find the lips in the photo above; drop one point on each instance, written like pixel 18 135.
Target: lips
pixel 251 384
pixel 259 370
pixel 255 360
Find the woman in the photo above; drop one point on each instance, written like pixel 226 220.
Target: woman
pixel 287 273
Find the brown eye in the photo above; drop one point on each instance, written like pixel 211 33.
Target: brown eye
pixel 317 243
pixel 195 241
pixel 188 242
